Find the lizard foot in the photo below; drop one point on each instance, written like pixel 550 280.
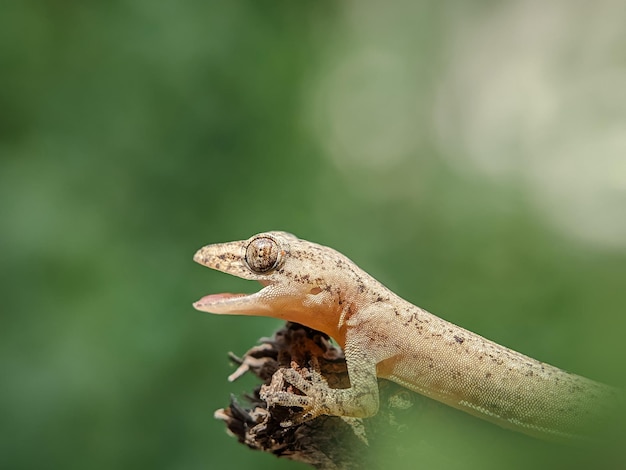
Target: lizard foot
pixel 317 399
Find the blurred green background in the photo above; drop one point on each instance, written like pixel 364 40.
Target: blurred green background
pixel 469 155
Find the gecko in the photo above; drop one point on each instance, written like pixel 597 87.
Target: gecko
pixel 384 336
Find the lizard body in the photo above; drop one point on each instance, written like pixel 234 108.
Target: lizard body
pixel 385 336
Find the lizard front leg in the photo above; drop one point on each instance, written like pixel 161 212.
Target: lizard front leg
pixel 360 400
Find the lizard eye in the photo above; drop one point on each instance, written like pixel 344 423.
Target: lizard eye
pixel 263 255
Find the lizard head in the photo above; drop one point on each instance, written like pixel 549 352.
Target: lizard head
pixel 300 279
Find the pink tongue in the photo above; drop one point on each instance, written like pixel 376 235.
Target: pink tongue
pixel 209 299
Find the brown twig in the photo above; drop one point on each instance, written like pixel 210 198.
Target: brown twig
pixel 326 442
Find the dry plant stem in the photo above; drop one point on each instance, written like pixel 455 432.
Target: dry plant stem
pixel 327 442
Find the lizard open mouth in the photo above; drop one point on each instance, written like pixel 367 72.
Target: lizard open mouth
pixel 212 299
pixel 233 304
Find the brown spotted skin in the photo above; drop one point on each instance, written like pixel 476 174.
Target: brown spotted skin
pixel 385 336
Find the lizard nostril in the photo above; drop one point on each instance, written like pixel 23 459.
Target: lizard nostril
pixel 315 290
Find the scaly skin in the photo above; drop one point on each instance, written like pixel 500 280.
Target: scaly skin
pixel 385 336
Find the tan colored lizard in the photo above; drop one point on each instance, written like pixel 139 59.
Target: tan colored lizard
pixel 385 336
